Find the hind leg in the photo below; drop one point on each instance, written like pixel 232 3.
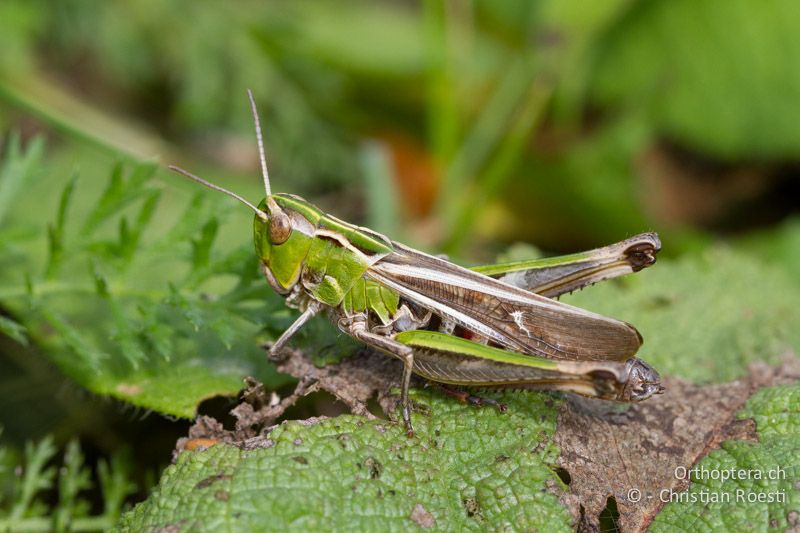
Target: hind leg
pixel 465 397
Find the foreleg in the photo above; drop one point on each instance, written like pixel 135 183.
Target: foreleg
pixel 312 309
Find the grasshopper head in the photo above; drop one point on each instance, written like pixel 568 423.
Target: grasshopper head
pixel 282 237
pixel 643 381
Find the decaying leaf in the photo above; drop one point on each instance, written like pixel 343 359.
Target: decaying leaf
pixel 632 454
pixel 626 452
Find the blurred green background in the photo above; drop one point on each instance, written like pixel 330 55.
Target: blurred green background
pixel 459 126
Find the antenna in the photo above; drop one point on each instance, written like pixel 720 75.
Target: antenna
pixel 264 171
pixel 201 181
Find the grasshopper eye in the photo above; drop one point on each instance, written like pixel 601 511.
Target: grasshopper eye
pixel 280 227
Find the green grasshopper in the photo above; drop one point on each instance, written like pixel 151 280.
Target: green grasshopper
pixel 490 326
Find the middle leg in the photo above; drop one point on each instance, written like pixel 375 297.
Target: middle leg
pixel 357 327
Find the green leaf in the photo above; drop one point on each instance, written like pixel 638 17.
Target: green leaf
pixel 55 231
pixel 36 477
pixel 194 216
pixel 119 193
pixel 382 196
pixel 14 330
pixel 760 490
pixel 176 389
pixel 780 248
pixel 28 501
pixel 130 238
pixel 100 279
pixel 126 335
pixel 705 318
pixel 159 318
pixel 201 246
pixel 520 251
pixel 115 483
pixel 18 167
pixel 726 92
pixel 183 305
pixel 464 469
pixel 87 358
pixel 73 478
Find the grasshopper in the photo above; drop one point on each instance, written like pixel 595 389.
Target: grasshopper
pixel 490 326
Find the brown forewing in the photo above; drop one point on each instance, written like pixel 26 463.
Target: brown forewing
pixel 510 316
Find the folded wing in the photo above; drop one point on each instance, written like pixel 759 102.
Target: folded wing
pixel 510 316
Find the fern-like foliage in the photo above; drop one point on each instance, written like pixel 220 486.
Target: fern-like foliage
pixel 128 299
pixel 29 480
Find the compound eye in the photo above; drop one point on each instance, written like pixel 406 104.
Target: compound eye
pixel 280 228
